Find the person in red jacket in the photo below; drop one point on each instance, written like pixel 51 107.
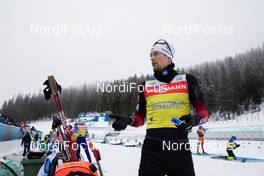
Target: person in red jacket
pixel 168 95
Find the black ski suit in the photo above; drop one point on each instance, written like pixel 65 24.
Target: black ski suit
pixel 154 160
pixel 26 140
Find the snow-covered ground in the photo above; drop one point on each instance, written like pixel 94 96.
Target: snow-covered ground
pixel 120 160
pixel 8 147
pixel 117 159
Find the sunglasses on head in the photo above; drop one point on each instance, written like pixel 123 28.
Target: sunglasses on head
pixel 162 41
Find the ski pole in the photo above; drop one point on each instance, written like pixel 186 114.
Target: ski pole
pixel 97 157
pixel 53 88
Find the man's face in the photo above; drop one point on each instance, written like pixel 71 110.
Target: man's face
pixel 158 60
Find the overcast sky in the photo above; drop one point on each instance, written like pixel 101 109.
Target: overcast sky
pixel 82 41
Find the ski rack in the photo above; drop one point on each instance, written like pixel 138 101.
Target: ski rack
pixel 54 91
pixel 53 86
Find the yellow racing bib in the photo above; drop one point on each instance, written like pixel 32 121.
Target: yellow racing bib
pixel 165 101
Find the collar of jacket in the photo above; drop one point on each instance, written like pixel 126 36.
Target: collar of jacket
pixel 167 74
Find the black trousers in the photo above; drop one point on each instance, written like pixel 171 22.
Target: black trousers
pixel 157 160
pixel 26 149
pixel 231 153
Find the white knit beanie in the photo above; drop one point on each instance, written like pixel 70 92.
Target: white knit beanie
pixel 164 47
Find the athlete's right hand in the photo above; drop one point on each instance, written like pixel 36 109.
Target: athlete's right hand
pixel 120 121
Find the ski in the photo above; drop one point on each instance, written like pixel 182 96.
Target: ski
pixel 220 157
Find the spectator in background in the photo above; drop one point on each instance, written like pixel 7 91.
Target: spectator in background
pixel 36 139
pixel 200 132
pixel 2 119
pixel 7 120
pixel 26 140
pixel 21 124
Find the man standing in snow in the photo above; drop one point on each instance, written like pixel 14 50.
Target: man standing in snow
pixel 36 139
pixel 169 95
pixel 26 140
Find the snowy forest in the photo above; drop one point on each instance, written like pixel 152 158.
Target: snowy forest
pixel 231 86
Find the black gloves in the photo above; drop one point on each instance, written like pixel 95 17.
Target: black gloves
pixel 47 91
pixel 188 121
pixel 120 122
pixel 237 145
